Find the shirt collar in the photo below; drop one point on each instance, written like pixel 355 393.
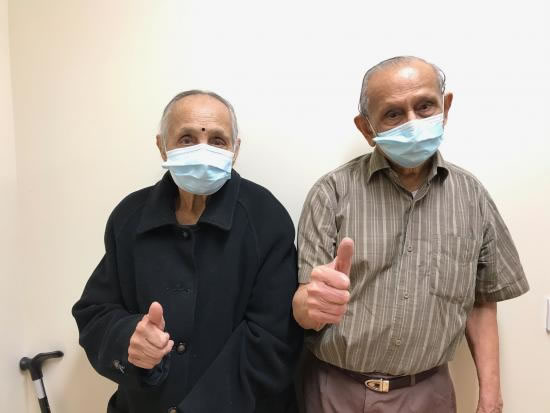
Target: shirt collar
pixel 439 167
pixel 159 209
pixel 378 162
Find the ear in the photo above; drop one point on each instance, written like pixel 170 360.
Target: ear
pixel 447 102
pixel 236 150
pixel 160 145
pixel 365 129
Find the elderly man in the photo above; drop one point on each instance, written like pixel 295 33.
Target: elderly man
pixel 190 308
pixel 431 258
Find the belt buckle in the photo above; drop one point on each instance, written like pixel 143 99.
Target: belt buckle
pixel 378 385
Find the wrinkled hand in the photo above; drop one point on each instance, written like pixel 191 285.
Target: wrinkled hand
pixel 149 343
pixel 327 293
pixel 489 403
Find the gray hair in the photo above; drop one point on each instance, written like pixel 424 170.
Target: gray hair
pixel 163 120
pixel 394 61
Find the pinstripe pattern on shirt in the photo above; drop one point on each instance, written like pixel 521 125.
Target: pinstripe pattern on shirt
pixel 419 263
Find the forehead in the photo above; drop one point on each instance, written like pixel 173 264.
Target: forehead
pixel 401 81
pixel 199 111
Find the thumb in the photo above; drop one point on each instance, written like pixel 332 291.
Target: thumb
pixel 155 315
pixel 344 255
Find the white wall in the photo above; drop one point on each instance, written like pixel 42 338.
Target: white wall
pixel 12 380
pixel 91 78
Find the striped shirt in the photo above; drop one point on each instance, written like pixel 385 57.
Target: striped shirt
pixel 419 265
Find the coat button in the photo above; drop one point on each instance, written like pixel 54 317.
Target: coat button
pixel 181 347
pixel 118 365
pixel 172 410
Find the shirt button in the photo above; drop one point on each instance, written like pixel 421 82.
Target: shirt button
pixel 406 296
pixel 185 233
pixel 181 347
pixel 409 248
pixel 172 410
pixel 397 342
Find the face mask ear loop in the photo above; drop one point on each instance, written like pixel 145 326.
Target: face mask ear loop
pixel 442 106
pixel 164 144
pixel 370 124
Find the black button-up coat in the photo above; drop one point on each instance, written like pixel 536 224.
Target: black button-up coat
pixel 226 286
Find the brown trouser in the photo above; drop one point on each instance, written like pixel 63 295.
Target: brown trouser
pixel 327 389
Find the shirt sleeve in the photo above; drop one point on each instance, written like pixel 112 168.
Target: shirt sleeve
pixel 317 230
pixel 105 325
pixel 259 358
pixel 500 275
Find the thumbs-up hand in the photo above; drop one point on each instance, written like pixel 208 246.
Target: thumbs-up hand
pixel 324 299
pixel 149 343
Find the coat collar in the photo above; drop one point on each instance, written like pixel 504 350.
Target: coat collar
pixel 159 208
pixel 377 162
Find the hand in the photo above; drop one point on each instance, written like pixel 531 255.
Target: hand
pixel 327 294
pixel 489 403
pixel 149 343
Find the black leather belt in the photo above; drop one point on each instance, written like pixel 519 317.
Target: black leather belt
pixel 385 384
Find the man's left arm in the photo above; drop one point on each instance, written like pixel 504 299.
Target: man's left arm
pixel 482 336
pixel 499 277
pixel 260 356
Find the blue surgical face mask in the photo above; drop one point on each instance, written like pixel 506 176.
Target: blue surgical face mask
pixel 412 143
pixel 199 169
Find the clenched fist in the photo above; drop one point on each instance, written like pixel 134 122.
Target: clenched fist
pixel 149 343
pixel 324 299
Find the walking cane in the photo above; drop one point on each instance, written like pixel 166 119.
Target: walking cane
pixel 34 365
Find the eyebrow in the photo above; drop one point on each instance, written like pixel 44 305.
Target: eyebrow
pixel 217 131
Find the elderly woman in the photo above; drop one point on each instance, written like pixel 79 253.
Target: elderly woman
pixel 190 308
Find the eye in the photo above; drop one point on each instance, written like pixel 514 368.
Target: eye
pixel 185 140
pixel 425 106
pixel 392 117
pixel 217 141
pixel 392 114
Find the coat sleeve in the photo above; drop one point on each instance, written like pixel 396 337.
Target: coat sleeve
pixel 261 354
pixel 104 323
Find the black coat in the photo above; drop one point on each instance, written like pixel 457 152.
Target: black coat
pixel 226 286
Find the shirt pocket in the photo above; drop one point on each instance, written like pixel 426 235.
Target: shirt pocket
pixel 452 269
